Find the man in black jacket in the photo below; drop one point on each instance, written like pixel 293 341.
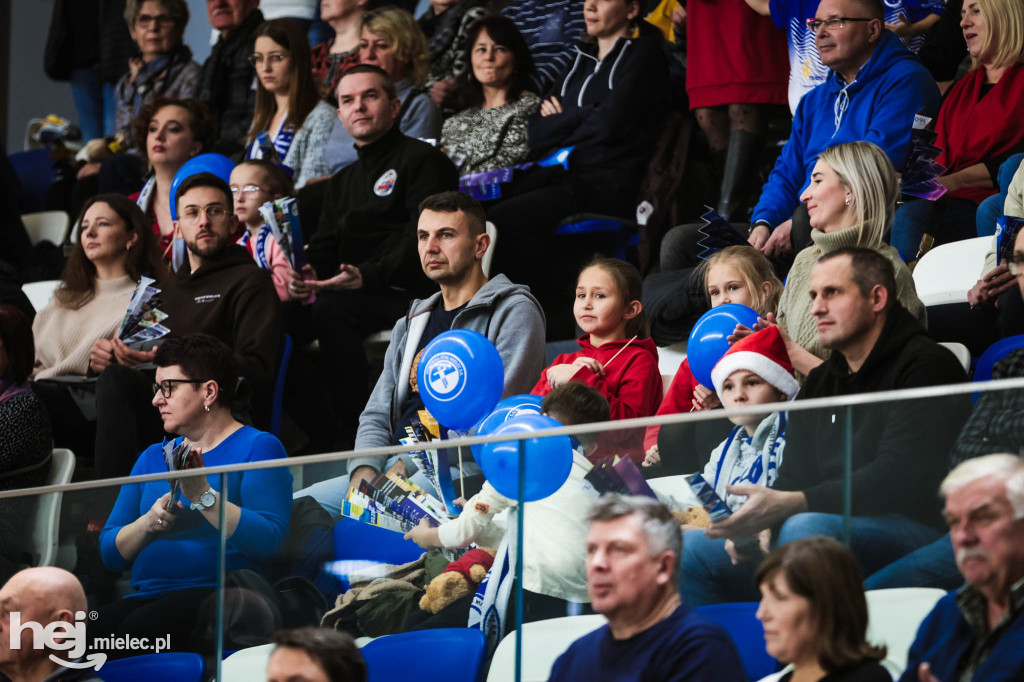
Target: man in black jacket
pixel 363 263
pixel 898 448
pixel 222 292
pixel 227 81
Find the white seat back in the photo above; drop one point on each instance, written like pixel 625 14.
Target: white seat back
pixel 894 616
pixel 543 642
pixel 46 517
pixel 40 293
pixel 962 353
pixel 49 225
pixel 246 665
pixel 947 272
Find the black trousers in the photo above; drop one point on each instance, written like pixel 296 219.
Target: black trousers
pixel 126 421
pixel 343 320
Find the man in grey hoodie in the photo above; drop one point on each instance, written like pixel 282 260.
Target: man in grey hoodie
pixel 451 241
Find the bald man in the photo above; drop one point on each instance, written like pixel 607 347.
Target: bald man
pixel 42 596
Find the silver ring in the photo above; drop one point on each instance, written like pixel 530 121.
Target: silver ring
pixel 160 521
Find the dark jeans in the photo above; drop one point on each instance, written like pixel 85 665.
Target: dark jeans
pixel 948 220
pixel 931 566
pixel 978 328
pixel 343 320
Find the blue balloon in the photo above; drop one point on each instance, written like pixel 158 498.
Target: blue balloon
pixel 218 164
pixel 548 459
pixel 460 378
pixel 707 343
pixel 506 410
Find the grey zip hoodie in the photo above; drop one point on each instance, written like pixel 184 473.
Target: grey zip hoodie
pixel 504 312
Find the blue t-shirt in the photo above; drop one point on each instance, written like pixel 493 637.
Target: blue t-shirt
pixel 186 556
pixel 683 647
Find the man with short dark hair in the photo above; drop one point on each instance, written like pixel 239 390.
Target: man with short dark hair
pixel 227 82
pixel 976 633
pixel 315 655
pixel 223 293
pixel 898 448
pixel 362 258
pixel 42 597
pixel 633 549
pixel 451 245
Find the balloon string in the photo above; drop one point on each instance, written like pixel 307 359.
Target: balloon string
pixel 620 350
pixel 462 479
pixel 168 249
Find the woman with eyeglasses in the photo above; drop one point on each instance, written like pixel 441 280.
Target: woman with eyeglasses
pixel 163 66
pixel 168 533
pixel 978 128
pixel 169 133
pixel 286 94
pixel 76 332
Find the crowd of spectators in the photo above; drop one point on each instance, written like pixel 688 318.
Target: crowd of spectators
pixel 409 140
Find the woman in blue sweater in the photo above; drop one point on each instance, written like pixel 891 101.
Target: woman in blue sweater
pixel 170 542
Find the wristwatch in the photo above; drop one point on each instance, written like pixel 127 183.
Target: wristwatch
pixel 206 500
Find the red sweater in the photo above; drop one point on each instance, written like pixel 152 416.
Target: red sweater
pixel 972 130
pixel 632 385
pixel 678 399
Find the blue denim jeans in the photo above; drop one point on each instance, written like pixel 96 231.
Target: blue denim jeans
pixel 707 576
pixel 990 210
pixel 933 565
pixel 94 103
pixel 957 220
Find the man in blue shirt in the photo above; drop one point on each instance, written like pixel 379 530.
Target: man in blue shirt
pixel 633 551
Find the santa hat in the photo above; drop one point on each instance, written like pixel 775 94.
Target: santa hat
pixel 764 354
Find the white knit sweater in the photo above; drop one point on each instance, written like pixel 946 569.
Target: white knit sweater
pixel 64 336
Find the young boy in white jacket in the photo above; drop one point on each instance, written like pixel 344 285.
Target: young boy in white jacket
pixel 554 528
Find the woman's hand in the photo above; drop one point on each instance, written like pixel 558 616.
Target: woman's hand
pixel 652 457
pixel 550 106
pixel 102 355
pixel 134 66
pixel 704 399
pixel 443 92
pixel 128 357
pixel 158 519
pixel 991 286
pixel 193 487
pixel 759 236
pixel 778 242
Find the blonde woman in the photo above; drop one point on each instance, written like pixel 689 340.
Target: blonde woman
pixel 850 200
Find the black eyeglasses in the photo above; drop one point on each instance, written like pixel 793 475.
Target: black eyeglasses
pixel 1016 264
pixel 146 20
pixel 166 387
pixel 831 23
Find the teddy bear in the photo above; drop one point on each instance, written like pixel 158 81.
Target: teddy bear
pixel 692 517
pixel 457 580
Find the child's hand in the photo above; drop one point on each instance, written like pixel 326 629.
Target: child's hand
pixel 562 374
pixel 423 534
pixel 704 399
pixel 652 457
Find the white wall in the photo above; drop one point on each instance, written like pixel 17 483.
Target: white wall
pixel 31 94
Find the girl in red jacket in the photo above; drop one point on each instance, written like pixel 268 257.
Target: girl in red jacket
pixel 617 355
pixel 736 274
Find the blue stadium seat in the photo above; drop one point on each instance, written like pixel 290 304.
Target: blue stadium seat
pixel 739 621
pixel 168 667
pixel 36 172
pixel 625 232
pixel 278 404
pixel 443 655
pixel 996 352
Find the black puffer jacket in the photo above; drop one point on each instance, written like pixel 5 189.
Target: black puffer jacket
pixel 226 84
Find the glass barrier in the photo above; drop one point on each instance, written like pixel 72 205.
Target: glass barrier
pixel 287 544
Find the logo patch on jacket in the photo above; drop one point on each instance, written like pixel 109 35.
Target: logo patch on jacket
pixel 481 507
pixel 385 183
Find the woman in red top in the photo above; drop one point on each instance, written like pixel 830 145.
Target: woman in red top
pixel 169 132
pixel 616 356
pixel 978 126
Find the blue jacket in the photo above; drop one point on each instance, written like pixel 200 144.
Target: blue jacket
pixel 879 107
pixel 945 637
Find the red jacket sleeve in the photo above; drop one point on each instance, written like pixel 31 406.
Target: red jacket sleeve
pixel 679 398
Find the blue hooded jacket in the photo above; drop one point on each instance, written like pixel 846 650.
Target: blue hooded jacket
pixel 879 107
